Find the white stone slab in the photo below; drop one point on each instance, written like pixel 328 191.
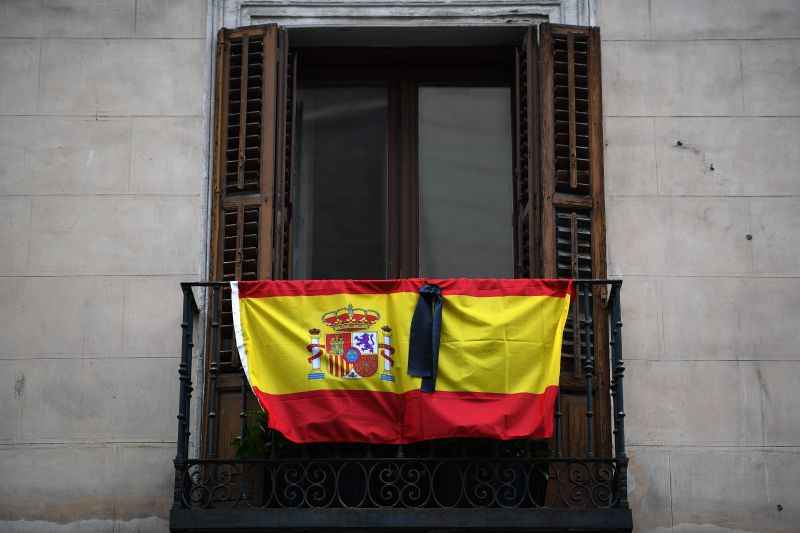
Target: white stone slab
pixel 15 224
pixel 727 490
pixel 168 155
pixel 705 318
pixel 778 383
pixel 708 236
pixel 144 478
pixel 630 164
pixel 123 76
pixel 771 77
pixel 690 236
pixel 60 484
pixel 153 315
pixel 20 18
pixel 776 240
pixel 624 19
pixel 53 155
pixel 99 400
pixel 88 18
pixel 671 78
pixel 12 387
pixel 19 64
pixel 748 155
pixel 747 319
pixel 636 233
pixel 176 18
pixel 15 133
pixel 61 316
pixel 725 19
pixel 648 487
pixel 771 310
pixel 692 403
pixel 642 318
pixel 783 484
pixel 116 235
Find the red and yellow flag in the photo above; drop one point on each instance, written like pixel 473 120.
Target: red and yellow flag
pixel 328 360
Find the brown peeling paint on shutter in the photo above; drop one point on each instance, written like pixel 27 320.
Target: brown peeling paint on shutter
pixel 572 209
pixel 249 147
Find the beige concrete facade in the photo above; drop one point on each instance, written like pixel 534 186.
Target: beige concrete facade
pixel 102 198
pixel 103 195
pixel 702 126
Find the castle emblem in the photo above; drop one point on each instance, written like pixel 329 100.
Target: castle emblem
pixel 355 347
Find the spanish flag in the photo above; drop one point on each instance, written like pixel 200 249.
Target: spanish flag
pixel 399 361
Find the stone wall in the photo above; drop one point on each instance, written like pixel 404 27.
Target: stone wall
pixel 102 157
pixel 702 125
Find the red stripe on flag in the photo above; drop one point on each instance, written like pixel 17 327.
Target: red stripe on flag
pixel 456 286
pixel 379 417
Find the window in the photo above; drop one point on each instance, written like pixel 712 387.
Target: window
pixel 399 162
pixel 403 163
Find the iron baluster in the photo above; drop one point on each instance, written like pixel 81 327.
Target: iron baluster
pixel 558 424
pixel 243 410
pixel 619 401
pixel 213 370
pixel 185 395
pixel 588 364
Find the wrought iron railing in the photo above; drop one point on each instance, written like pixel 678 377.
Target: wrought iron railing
pixel 459 483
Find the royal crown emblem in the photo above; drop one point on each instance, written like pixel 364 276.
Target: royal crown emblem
pixel 351 318
pixel 354 349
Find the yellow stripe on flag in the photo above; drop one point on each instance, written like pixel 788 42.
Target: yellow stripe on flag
pixel 497 344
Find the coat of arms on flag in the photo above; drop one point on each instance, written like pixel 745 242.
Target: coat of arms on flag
pixel 352 349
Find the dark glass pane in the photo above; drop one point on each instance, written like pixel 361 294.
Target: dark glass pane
pixel 339 206
pixel 465 181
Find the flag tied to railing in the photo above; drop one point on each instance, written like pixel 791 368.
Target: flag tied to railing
pixel 399 361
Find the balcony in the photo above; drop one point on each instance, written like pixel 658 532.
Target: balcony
pixel 574 482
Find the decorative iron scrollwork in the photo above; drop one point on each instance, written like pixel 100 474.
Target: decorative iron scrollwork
pixel 413 483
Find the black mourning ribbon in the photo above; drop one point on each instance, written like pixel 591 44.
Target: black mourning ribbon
pixel 426 329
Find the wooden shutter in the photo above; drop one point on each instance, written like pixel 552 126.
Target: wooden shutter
pixel 254 96
pixel 572 213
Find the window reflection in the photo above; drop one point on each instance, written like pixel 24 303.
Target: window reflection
pixel 339 211
pixel 465 180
